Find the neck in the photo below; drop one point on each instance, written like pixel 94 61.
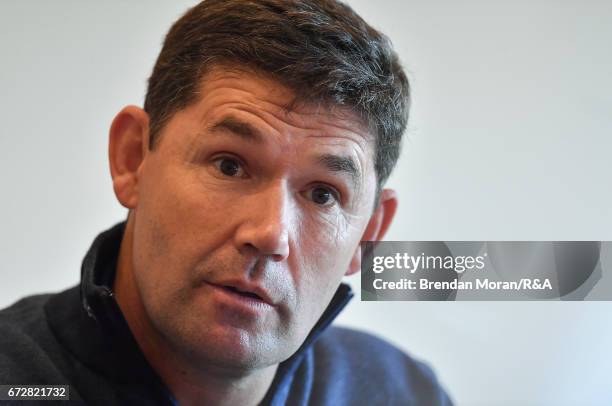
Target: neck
pixel 190 381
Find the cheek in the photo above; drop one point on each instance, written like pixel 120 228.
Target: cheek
pixel 165 230
pixel 328 243
pixel 185 215
pixel 325 251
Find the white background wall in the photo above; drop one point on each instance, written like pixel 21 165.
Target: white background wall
pixel 510 139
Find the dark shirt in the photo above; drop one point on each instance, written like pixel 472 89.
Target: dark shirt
pixel 80 338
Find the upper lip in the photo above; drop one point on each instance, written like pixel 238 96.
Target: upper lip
pixel 246 287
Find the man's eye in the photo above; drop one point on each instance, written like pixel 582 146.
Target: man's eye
pixel 229 167
pixel 323 196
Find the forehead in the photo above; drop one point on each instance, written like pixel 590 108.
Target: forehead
pixel 225 90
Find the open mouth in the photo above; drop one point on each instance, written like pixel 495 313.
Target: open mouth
pixel 242 293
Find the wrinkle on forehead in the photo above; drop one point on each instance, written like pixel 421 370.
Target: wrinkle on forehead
pixel 267 94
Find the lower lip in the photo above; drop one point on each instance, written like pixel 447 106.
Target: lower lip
pixel 237 302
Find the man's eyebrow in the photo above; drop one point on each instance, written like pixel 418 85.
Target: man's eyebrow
pixel 332 162
pixel 343 164
pixel 242 129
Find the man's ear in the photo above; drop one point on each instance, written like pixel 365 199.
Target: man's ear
pixel 377 226
pixel 128 144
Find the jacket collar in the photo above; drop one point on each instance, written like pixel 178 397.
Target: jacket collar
pixel 88 321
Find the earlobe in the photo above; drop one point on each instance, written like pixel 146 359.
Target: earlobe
pixel 377 227
pixel 128 143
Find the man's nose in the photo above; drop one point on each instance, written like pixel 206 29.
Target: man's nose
pixel 265 223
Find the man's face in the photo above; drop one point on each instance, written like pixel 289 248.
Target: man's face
pixel 248 216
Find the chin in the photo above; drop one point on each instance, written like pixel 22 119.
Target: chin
pixel 230 348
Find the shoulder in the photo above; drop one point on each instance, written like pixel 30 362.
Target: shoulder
pixel 372 368
pixel 25 334
pixel 23 318
pixel 26 306
pixel 360 349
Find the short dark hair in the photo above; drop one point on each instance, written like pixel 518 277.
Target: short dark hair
pixel 321 49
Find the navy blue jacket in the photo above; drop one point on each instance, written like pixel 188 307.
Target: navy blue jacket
pixel 80 338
